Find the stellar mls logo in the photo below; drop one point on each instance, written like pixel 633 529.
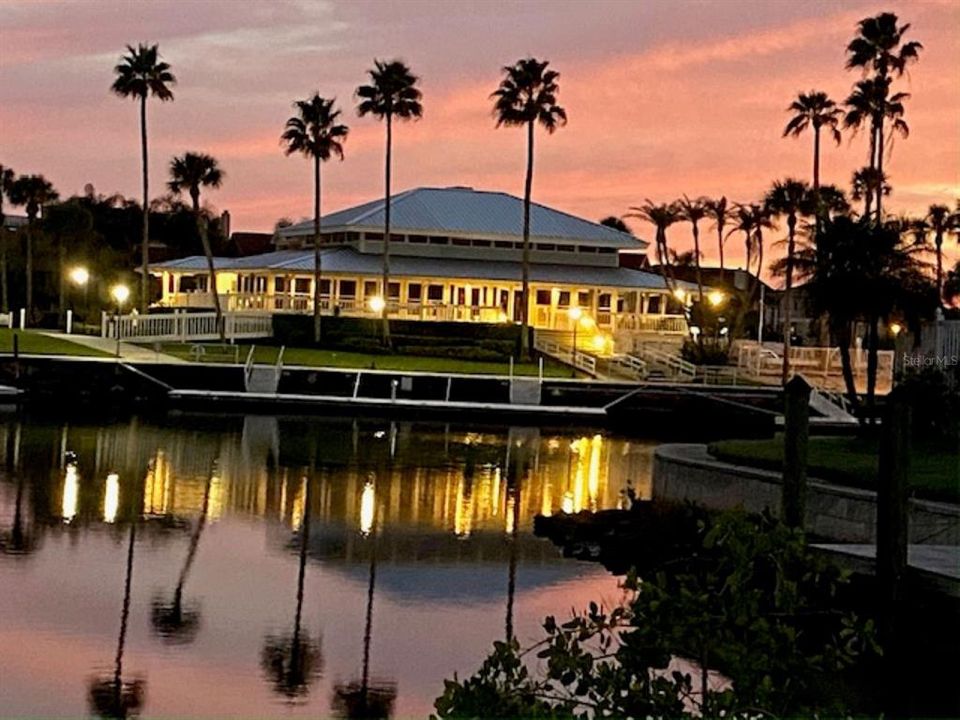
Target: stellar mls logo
pixel 921 361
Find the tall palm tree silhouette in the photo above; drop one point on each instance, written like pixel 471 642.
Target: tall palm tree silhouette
pixel 174 622
pixel 392 93
pixel 790 198
pixel 141 74
pixel 721 212
pixel 661 216
pixel 189 173
pixel 941 221
pixel 367 699
pixel 293 661
pixel 7 177
pixel 527 97
pixel 315 133
pixel 814 111
pixel 693 211
pixel 111 696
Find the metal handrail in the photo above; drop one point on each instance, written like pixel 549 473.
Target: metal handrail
pixel 248 365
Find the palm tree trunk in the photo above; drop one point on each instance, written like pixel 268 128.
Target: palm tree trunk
pixel 787 299
pixel 696 260
pixel 873 346
pixel 868 196
pixel 4 293
pixel 317 299
pixel 30 223
pixel 385 319
pixel 843 334
pixel 145 240
pixel 211 271
pixel 939 243
pixel 62 263
pixel 720 247
pixel 525 264
pixel 880 171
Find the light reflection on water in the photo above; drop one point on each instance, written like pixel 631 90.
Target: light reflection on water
pixel 263 566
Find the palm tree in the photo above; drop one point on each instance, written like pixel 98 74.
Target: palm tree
pixel 141 74
pixel 189 173
pixel 661 217
pixel 612 221
pixel 879 47
pixel 951 284
pixel 721 213
pixel 392 93
pixel 865 184
pixel 940 221
pixel 814 110
pixel 527 97
pixel 315 133
pixel 33 192
pixel 790 198
pixel 693 211
pixel 6 182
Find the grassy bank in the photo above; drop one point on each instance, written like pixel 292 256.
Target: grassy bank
pixel 32 342
pixel 934 467
pixel 342 359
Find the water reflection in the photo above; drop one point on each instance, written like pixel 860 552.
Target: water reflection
pixel 174 621
pixel 292 661
pixel 367 698
pixel 407 540
pixel 111 696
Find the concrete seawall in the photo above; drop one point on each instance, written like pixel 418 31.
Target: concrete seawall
pixel 689 472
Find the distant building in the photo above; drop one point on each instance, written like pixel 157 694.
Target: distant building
pixel 455 255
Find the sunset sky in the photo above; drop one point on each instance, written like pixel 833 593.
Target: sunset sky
pixel 664 97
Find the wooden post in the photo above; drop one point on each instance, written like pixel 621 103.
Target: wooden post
pixel 892 522
pixel 795 439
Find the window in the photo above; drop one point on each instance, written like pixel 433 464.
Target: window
pixel 417 239
pixel 373 236
pixel 170 284
pixel 353 237
pixel 588 249
pixel 653 305
pixel 369 288
pixel 301 286
pixel 348 288
pixel 462 242
pixel 503 244
pixel 435 293
pixel 546 247
pixel 564 299
pixel 607 251
pixel 414 291
pixel 439 241
pixel 325 287
pixel 565 248
pixel 481 243
pixel 583 299
pixel 543 297
pixel 393 291
pixel 188 284
pixel 603 302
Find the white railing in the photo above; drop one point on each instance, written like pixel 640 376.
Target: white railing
pixel 248 366
pixel 186 327
pixel 576 358
pixel 629 365
pixel 660 324
pixel 673 364
pixel 717 374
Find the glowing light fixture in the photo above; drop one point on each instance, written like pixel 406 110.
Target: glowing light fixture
pixel 680 294
pixel 716 298
pixel 575 313
pixel 896 329
pixel 377 303
pixel 566 505
pixel 79 276
pixel 599 342
pixel 120 294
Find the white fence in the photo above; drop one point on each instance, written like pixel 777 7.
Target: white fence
pixel 185 327
pixel 821 366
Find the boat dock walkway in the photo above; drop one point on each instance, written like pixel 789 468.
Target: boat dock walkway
pixel 936 566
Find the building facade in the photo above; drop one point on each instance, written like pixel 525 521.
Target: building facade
pixel 456 255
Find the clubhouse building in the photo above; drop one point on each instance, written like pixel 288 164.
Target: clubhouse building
pixel 455 255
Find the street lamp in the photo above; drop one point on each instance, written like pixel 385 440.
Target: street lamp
pixel 716 298
pixel 80 277
pixel 120 293
pixel 377 303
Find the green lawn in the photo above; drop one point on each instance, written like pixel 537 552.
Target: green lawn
pixel 337 358
pixel 36 343
pixel 934 468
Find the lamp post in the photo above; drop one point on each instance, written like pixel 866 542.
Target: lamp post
pixel 120 294
pixel 575 314
pixel 80 277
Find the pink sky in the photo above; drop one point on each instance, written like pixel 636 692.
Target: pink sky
pixel 664 98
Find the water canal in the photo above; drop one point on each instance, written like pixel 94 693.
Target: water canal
pixel 261 566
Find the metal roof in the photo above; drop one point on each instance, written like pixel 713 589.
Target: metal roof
pixel 346 260
pixel 465 211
